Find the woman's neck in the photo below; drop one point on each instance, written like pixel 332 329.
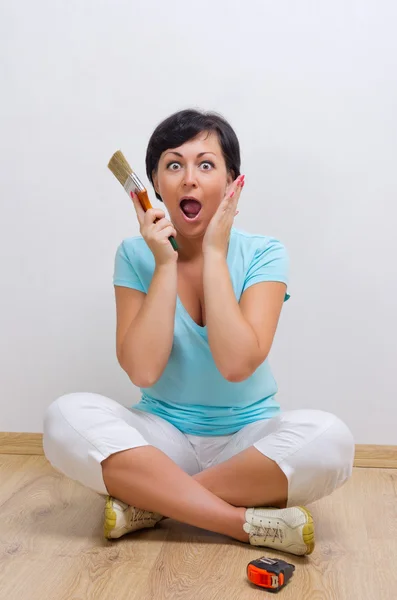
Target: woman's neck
pixel 189 250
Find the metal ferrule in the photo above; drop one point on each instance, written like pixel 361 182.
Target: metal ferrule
pixel 133 184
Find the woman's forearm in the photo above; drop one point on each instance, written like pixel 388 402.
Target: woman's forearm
pixel 231 338
pixel 148 342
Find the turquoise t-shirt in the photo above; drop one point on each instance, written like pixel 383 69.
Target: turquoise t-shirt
pixel 191 393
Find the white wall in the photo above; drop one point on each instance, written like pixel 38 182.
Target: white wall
pixel 311 89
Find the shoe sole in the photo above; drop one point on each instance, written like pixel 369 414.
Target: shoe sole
pixel 110 518
pixel 308 531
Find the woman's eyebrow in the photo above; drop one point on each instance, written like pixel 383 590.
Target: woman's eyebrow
pixel 181 155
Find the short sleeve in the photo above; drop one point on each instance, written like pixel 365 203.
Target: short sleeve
pixel 124 273
pixel 270 263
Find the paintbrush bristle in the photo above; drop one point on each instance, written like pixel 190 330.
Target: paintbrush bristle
pixel 120 167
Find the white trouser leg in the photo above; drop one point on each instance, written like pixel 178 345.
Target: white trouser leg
pixel 83 429
pixel 314 449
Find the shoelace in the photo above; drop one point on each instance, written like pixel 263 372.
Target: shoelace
pixel 139 515
pixel 267 532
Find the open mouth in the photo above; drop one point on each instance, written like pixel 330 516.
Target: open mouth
pixel 191 208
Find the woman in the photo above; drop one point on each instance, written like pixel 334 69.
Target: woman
pixel 207 444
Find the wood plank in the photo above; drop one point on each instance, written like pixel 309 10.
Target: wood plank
pixel 51 546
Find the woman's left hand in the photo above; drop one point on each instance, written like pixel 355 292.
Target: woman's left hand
pixel 216 237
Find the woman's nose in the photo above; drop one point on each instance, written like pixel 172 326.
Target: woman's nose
pixel 190 177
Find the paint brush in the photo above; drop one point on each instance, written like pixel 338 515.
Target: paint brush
pixel 132 184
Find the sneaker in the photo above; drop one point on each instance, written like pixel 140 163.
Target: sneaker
pixel 286 529
pixel 120 518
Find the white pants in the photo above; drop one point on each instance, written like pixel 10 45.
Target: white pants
pixel 314 449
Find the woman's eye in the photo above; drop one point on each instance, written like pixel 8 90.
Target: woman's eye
pixel 174 166
pixel 171 165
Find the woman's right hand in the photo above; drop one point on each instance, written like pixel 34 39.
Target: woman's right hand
pixel 155 230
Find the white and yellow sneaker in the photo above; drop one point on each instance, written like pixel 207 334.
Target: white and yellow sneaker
pixel 285 529
pixel 120 518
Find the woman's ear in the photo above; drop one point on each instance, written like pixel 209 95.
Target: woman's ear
pixel 155 182
pixel 156 186
pixel 230 178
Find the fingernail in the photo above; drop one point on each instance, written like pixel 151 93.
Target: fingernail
pixel 231 195
pixel 132 195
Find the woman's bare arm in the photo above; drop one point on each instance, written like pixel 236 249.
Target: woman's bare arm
pixel 240 335
pixel 145 326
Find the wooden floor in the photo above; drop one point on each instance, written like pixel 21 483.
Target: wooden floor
pixel 51 546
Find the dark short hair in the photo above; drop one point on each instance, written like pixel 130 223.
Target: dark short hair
pixel 185 125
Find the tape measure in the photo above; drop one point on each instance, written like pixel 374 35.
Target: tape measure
pixel 269 573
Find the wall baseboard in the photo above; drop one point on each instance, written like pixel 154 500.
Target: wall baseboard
pixel 372 455
pixel 367 455
pixel 21 443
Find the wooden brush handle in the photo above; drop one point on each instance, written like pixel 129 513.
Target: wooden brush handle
pixel 144 200
pixel 145 203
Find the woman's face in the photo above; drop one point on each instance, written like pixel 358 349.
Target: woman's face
pixel 192 180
